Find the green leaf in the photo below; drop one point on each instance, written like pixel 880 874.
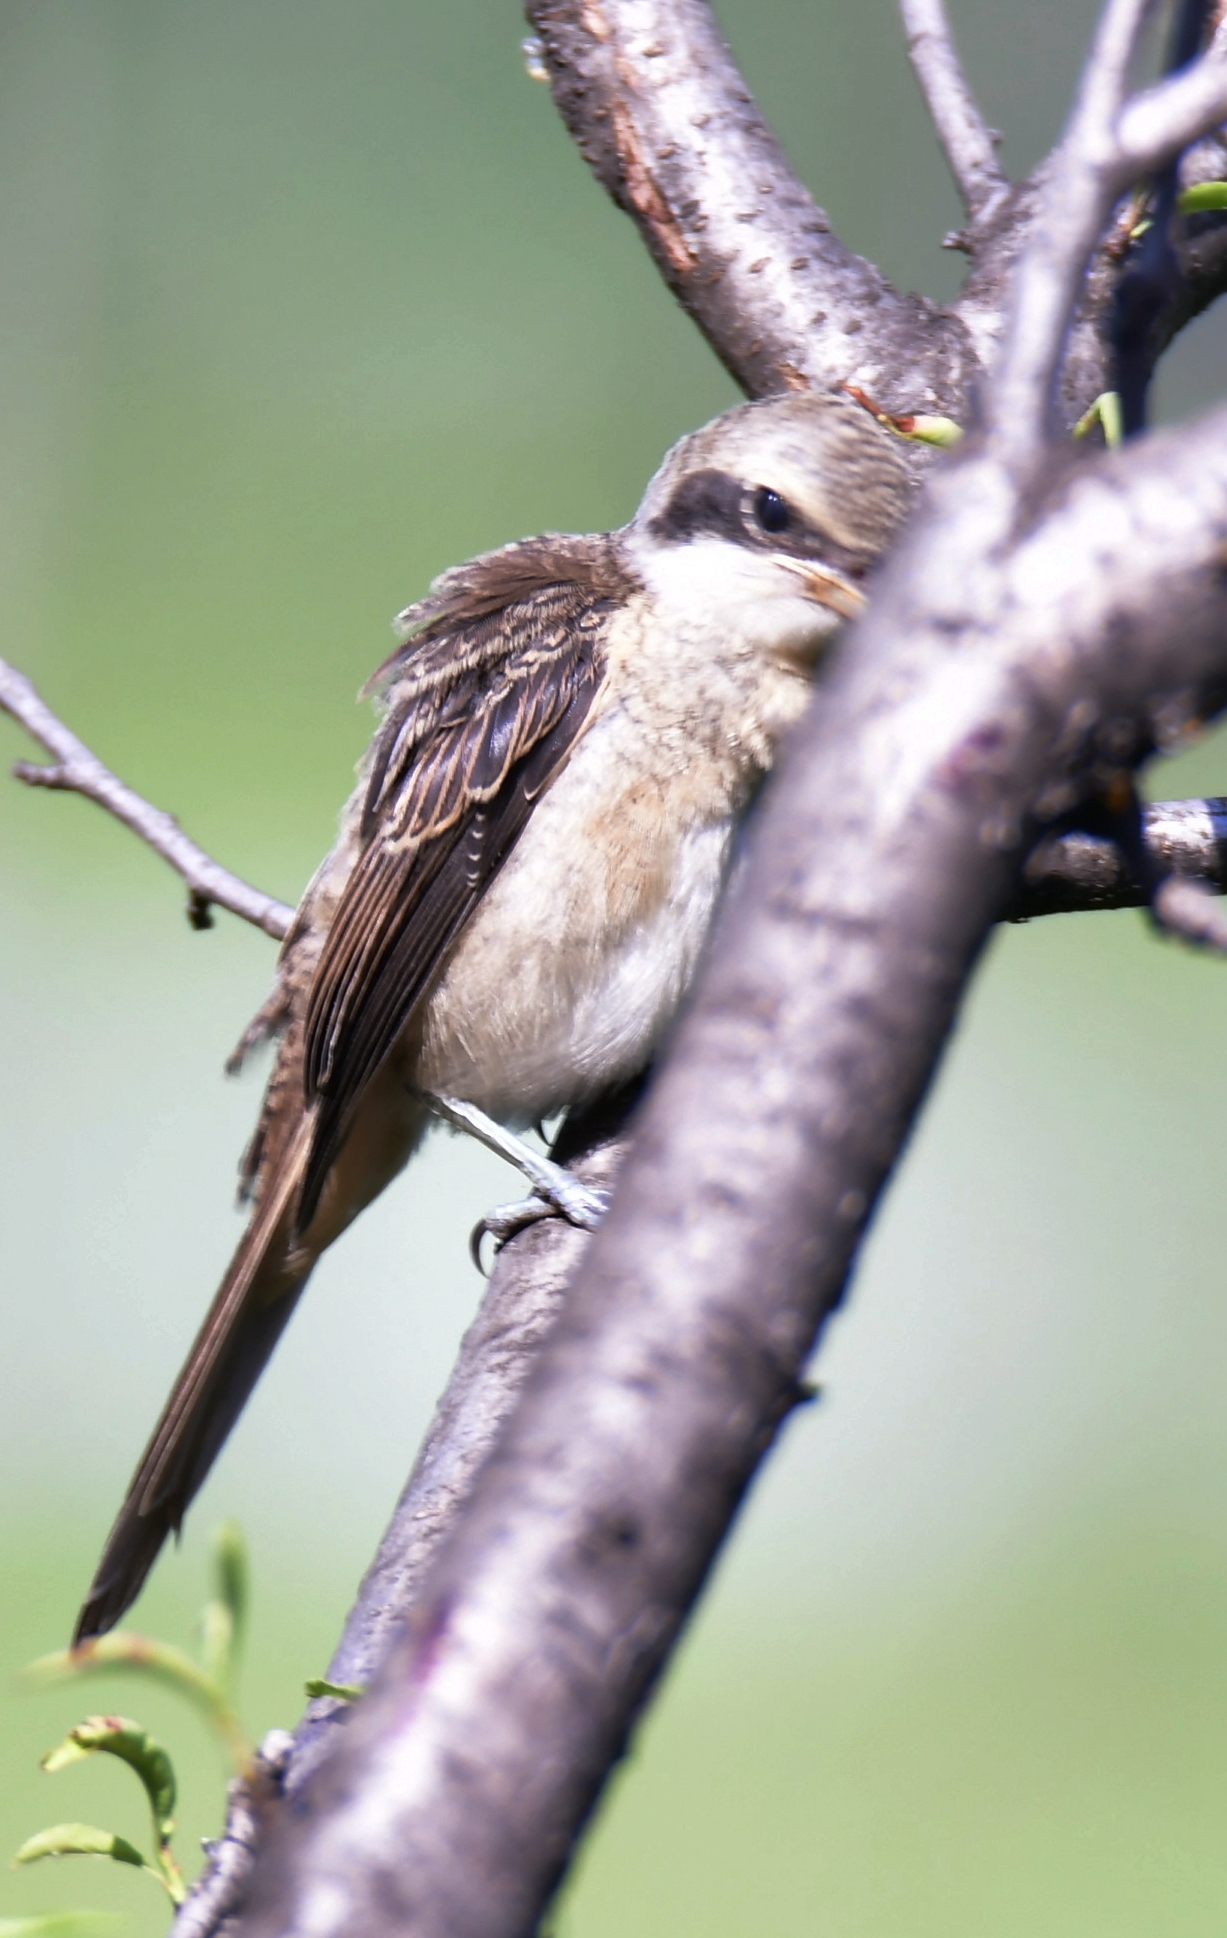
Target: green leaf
pixel 1202 198
pixel 344 1691
pixel 1106 411
pixel 120 1736
pixel 922 429
pixel 86 1840
pixel 128 1652
pixel 81 1840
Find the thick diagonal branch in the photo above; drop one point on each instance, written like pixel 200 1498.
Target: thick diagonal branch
pixel 664 119
pixel 530 1281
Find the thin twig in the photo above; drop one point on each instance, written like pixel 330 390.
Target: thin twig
pixel 78 771
pixel 966 141
pixel 1073 208
pixel 1109 143
pixel 524 1297
pixel 1080 872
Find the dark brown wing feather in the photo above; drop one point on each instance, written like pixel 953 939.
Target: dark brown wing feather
pixel 438 632
pixel 484 712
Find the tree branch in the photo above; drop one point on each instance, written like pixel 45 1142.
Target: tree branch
pixel 523 1300
pixel 528 1284
pixel 1070 872
pixel 1201 240
pixel 78 771
pixel 663 117
pixel 526 1290
pixel 1157 123
pixel 667 124
pixel 966 141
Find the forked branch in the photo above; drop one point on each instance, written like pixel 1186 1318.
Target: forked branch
pixel 669 127
pixel 1111 142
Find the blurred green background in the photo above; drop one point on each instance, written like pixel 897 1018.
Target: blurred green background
pixel 299 303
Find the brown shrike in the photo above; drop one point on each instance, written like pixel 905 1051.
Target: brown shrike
pixel 527 871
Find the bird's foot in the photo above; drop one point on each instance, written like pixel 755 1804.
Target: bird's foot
pixel 584 1207
pixel 561 1191
pixel 555 1189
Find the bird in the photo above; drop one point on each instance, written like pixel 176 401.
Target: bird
pixel 572 729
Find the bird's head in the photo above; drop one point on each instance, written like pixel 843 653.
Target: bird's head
pixel 768 521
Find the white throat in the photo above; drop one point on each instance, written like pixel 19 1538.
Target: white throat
pixel 711 585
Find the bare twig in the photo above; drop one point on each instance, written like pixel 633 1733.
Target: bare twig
pixel 1077 193
pixel 78 771
pixel 1108 145
pixel 965 139
pixel 525 1295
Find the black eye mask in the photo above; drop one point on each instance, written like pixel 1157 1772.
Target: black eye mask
pixel 715 504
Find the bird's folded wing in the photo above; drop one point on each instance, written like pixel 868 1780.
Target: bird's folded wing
pixel 454 776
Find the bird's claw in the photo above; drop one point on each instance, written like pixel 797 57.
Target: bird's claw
pixel 563 1196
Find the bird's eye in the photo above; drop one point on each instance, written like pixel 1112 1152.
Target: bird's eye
pixel 771 511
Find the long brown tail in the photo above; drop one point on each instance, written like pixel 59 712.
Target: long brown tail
pixel 244 1323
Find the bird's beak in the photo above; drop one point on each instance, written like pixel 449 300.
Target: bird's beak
pixel 826 587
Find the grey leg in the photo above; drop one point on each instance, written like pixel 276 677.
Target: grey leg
pixel 555 1188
